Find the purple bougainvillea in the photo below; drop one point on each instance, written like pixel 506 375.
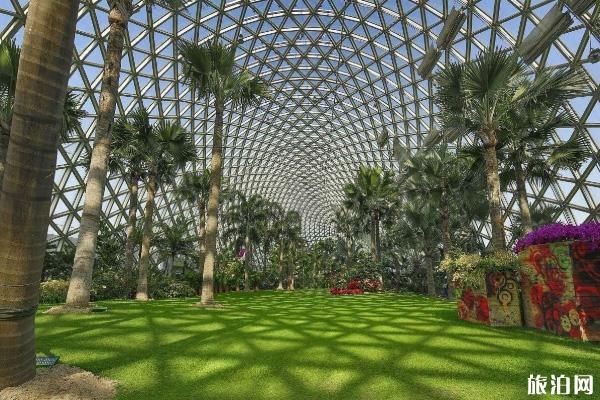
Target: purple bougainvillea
pixel 559 232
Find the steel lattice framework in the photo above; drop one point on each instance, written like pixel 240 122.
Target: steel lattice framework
pixel 340 71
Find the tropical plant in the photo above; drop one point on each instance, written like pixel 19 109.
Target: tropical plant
pixel 480 98
pixel 372 194
pixel 348 224
pixel 175 240
pixel 245 220
pixel 169 149
pixel 26 193
pixel 194 188
pixel 210 69
pixel 83 263
pixel 290 240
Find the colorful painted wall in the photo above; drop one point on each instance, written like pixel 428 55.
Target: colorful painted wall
pixel 560 285
pixel 494 302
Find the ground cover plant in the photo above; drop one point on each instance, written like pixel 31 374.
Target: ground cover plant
pixel 307 345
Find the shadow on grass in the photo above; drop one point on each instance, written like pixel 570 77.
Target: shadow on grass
pixel 308 345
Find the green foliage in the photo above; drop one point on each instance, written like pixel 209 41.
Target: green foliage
pixel 58 264
pixel 470 269
pixel 54 291
pixel 168 288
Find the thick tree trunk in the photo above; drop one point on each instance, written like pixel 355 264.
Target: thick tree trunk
pixel 83 265
pixel 523 204
pixel 349 251
pixel 201 235
pixel 142 286
pixel 4 139
pixel 447 241
pixel 129 243
pixel 493 186
pixel 26 190
pixel 212 223
pixel 280 275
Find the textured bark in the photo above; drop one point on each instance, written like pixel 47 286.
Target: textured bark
pixel 212 222
pixel 493 186
pixel 129 244
pixel 280 275
pixel 27 186
pixel 201 235
pixel 83 265
pixel 349 251
pixel 375 237
pixel 142 286
pixel 4 138
pixel 523 204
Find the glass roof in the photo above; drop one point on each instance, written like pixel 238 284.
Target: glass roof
pixel 339 71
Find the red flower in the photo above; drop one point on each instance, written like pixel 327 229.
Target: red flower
pixel 536 293
pixel 483 310
pixel 463 311
pixel 468 298
pixel 555 279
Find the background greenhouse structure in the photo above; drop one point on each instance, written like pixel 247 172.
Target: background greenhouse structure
pixel 340 73
pixel 299 199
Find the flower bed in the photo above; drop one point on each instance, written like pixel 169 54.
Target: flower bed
pixel 558 232
pixel 561 287
pixel 487 290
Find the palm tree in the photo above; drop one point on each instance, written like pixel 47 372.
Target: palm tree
pixel 269 229
pixel 290 235
pixel 540 215
pixel 175 240
pixel 528 151
pixel 169 149
pixel 348 224
pixel 26 192
pixel 83 263
pixel 128 140
pixel 480 98
pixel 210 70
pixel 372 194
pixel 245 219
pixel 194 188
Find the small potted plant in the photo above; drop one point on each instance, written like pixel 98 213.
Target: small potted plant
pixel 560 279
pixel 486 287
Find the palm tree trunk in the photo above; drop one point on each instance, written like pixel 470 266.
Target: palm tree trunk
pixel 83 265
pixel 247 263
pixel 27 190
pixel 280 275
pixel 142 287
pixel 4 139
pixel 349 251
pixel 523 204
pixel 429 272
pixel 201 235
pixel 374 232
pixel 212 223
pixel 493 185
pixel 447 241
pixel 131 224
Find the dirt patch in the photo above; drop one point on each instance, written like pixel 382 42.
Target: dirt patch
pixel 68 310
pixel 62 382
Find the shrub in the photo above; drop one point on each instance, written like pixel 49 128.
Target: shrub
pixel 470 269
pixel 54 291
pixel 170 289
pixel 558 233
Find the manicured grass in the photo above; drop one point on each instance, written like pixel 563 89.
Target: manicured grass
pixel 308 345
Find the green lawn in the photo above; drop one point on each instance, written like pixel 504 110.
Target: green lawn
pixel 308 345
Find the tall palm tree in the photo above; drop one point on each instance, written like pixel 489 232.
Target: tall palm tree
pixel 26 192
pixel 210 70
pixel 170 148
pixel 130 136
pixel 269 229
pixel 291 236
pixel 372 194
pixel 175 240
pixel 528 151
pixel 83 263
pixel 245 220
pixel 194 188
pixel 480 98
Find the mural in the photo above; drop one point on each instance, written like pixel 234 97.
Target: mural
pixel 497 303
pixel 560 284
